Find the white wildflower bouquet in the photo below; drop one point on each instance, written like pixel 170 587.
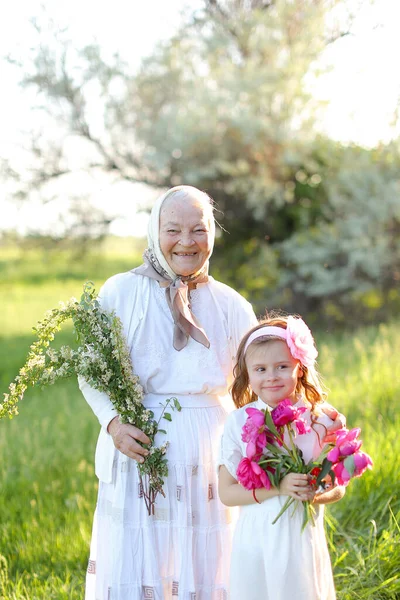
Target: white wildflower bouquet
pixel 102 358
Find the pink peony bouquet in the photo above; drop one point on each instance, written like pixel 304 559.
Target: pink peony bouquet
pixel 271 453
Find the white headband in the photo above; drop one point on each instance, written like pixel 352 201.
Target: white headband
pixel 297 336
pixel 263 331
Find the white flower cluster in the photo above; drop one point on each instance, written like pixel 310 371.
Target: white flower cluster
pixel 103 359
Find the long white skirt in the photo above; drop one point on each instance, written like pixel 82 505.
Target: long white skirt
pixel 280 562
pixel 182 552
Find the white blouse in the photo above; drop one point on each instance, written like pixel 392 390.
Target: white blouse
pixel 141 304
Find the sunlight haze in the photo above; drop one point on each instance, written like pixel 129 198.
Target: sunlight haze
pixel 361 90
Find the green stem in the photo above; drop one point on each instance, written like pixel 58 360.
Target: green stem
pixel 309 513
pixel 287 504
pixel 167 402
pixel 293 452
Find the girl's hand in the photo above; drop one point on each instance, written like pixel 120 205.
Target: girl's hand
pixel 124 437
pixel 339 422
pixel 296 485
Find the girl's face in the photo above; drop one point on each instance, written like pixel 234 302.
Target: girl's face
pixel 273 372
pixel 185 238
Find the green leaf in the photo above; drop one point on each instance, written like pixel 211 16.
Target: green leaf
pixel 278 472
pixel 161 431
pixel 270 424
pixel 275 451
pixel 333 477
pixel 167 416
pixel 325 469
pixel 178 407
pixel 349 464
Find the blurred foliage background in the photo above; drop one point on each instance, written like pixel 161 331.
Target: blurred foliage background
pixel 307 224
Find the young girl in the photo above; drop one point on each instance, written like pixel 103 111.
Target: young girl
pixel 278 561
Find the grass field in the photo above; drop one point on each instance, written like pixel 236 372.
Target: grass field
pixel 48 486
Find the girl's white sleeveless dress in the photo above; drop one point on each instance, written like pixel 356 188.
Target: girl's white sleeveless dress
pixel 277 562
pixel 182 552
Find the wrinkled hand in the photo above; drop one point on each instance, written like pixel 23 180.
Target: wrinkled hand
pixel 297 486
pixel 339 422
pixel 124 437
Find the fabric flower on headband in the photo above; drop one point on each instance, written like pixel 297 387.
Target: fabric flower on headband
pixel 300 341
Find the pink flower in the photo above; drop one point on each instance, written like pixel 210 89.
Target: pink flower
pixel 285 413
pixel 341 473
pixel 334 455
pixel 251 476
pixel 302 426
pixel 254 425
pixel 255 449
pixel 254 432
pixel 300 341
pixel 362 462
pixel 345 457
pixel 351 466
pixel 344 434
pixel 346 444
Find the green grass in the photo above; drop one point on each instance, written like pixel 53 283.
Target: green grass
pixel 363 374
pixel 48 486
pixel 48 494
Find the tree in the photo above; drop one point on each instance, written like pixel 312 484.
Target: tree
pixel 346 267
pixel 223 105
pixel 217 105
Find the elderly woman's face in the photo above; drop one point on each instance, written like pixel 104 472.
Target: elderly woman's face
pixel 185 238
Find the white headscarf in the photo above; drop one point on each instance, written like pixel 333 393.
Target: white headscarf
pixel 153 233
pixel 176 288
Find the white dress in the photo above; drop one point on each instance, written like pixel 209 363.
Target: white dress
pixel 182 552
pixel 277 562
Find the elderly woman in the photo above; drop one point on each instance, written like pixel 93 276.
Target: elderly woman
pixel 183 329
